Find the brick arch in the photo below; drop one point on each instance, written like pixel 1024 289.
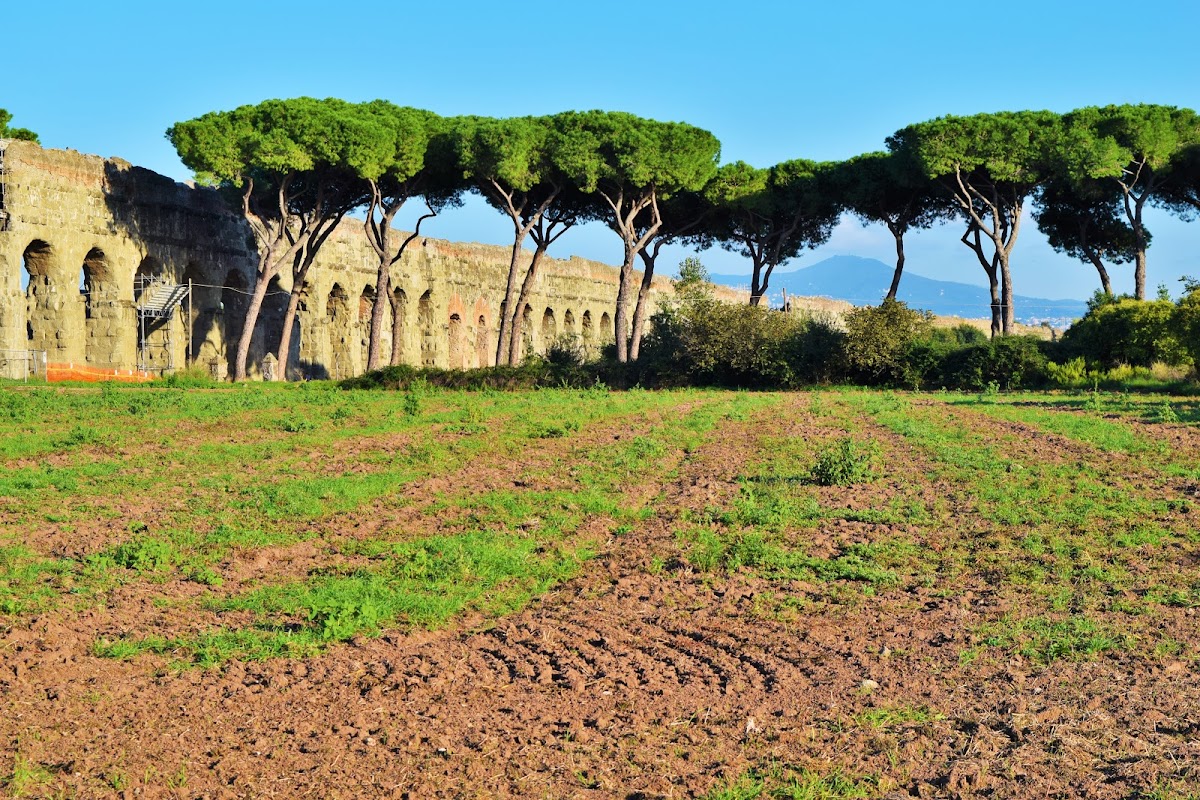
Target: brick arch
pixel 549 328
pixel 39 263
pixel 425 323
pixel 482 316
pixel 456 335
pixel 100 306
pixel 399 301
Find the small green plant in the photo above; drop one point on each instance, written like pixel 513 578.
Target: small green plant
pixel 1167 414
pixel 845 463
pixel 990 393
pixel 26 774
pixel 297 425
pixel 413 396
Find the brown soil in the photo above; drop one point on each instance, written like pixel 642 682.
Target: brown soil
pixel 639 679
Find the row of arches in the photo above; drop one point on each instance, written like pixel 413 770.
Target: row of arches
pixel 331 334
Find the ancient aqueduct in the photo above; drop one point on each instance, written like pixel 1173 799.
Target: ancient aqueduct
pixel 80 237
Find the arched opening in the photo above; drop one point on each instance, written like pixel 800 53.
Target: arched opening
pixel 587 332
pixel 235 299
pixel 425 323
pixel 337 319
pixel 457 343
pixel 366 302
pixel 568 321
pixel 482 351
pixel 549 329
pixel 149 270
pixel 38 262
pixel 526 332
pixel 399 319
pixel 197 315
pixel 606 328
pixel 99 309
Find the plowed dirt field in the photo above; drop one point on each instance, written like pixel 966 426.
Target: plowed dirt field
pixel 561 594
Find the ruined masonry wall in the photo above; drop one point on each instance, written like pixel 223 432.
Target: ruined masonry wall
pixel 80 229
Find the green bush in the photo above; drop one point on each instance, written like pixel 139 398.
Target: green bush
pixel 1185 322
pixel 696 339
pixel 1010 362
pixel 844 463
pixel 878 339
pixel 1127 331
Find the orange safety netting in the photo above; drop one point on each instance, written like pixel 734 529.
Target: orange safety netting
pixel 81 372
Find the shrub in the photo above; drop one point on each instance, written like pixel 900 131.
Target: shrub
pixel 844 463
pixel 1127 331
pixel 697 339
pixel 1185 322
pixel 1008 361
pixel 878 339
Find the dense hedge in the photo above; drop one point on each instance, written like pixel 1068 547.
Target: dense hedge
pixel 697 341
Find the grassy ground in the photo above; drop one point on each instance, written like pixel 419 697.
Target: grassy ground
pixel 260 522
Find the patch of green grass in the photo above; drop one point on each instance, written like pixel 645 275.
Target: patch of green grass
pixel 1044 640
pixel 418 584
pixel 26 775
pixel 896 716
pixel 712 550
pixel 789 783
pixel 28 582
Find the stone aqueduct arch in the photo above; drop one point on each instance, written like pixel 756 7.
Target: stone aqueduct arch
pixel 211 326
pixel 69 279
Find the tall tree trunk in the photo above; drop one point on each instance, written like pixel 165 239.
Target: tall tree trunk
pixel 517 322
pixel 756 288
pixel 997 303
pixel 643 304
pixel 1105 283
pixel 1006 295
pixel 621 314
pixel 1139 272
pixel 252 312
pixel 898 233
pixel 382 288
pixel 285 336
pixel 505 340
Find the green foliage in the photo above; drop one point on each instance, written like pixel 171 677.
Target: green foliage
pixel 1127 331
pixel 844 463
pixel 878 337
pixel 1009 362
pixel 703 341
pixel 8 132
pixel 1185 322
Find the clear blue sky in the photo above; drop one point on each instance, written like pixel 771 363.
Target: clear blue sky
pixel 773 80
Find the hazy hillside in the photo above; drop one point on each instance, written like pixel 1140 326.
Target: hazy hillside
pixel 864 281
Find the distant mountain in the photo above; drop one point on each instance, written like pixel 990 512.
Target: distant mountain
pixel 864 281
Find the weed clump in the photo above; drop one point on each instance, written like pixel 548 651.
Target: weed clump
pixel 845 463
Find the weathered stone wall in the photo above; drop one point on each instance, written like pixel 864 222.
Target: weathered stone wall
pixel 79 231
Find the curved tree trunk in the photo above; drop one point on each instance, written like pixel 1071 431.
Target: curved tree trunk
pixel 643 304
pixel 621 313
pixel 252 312
pixel 285 336
pixel 516 321
pixel 895 287
pixel 1105 282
